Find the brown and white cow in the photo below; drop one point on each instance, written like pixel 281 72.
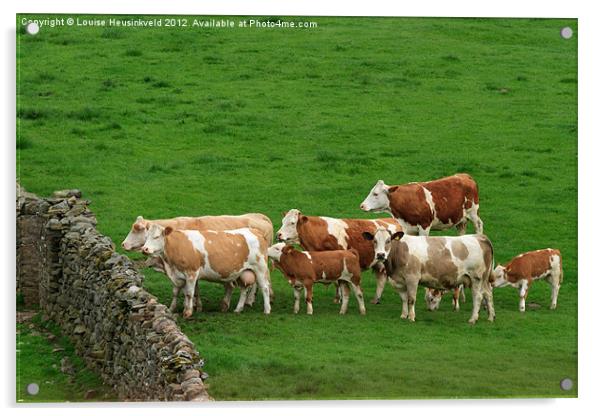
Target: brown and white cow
pixel 139 231
pixel 433 297
pixel 305 268
pixel 215 256
pixel 424 206
pixel 325 233
pixel 436 262
pixel 523 269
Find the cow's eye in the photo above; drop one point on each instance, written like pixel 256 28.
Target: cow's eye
pixel 389 241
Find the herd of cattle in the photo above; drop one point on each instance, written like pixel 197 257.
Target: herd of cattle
pixel 234 251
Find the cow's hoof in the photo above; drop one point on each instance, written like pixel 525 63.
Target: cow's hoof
pixel 404 316
pixel 224 307
pixel 342 313
pixel 375 301
pixel 363 312
pixel 336 301
pixel 237 311
pixel 491 318
pixel 472 321
pixel 553 307
pixel 187 315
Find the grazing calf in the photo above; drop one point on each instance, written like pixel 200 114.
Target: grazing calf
pixel 326 233
pixel 433 297
pixel 523 269
pixel 420 207
pixel 139 231
pixel 215 256
pixel 304 268
pixel 436 262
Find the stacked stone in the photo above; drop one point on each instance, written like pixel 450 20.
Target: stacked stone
pixel 95 295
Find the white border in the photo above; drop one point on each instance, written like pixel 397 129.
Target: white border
pixel 590 135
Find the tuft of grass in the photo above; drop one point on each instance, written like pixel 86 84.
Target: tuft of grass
pixel 133 52
pixel 31 113
pixel 161 84
pixel 450 58
pixel 24 143
pixel 112 33
pixel 85 114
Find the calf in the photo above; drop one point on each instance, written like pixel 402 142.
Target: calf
pixel 420 207
pixel 215 256
pixel 305 268
pixel 523 269
pixel 437 262
pixel 433 297
pixel 325 233
pixel 139 231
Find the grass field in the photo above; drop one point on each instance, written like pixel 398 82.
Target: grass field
pixel 188 121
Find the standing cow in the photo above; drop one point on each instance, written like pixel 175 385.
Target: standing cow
pixel 424 206
pixel 436 262
pixel 215 256
pixel 523 269
pixel 325 233
pixel 140 228
pixel 305 268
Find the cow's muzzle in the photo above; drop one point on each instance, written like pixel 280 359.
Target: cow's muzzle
pixel 380 256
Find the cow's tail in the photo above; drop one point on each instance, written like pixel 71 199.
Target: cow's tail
pixel 491 265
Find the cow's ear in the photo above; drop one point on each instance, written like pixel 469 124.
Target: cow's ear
pixel 392 189
pixel 284 213
pixel 367 236
pixel 167 231
pixel 138 226
pixel 397 236
pixel 303 219
pixel 287 249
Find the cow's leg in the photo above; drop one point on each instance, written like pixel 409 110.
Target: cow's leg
pixel 264 285
pixel 198 305
pixel 477 298
pixel 473 215
pixel 554 281
pixel 523 289
pixel 252 293
pixel 297 291
pixel 381 279
pixel 456 299
pixel 462 293
pixel 403 294
pixel 174 296
pixel 188 295
pixel 359 295
pixel 488 296
pixel 225 303
pixel 461 227
pixel 309 292
pixel 412 288
pixel 244 293
pixel 337 292
pixel 345 289
pixel 424 231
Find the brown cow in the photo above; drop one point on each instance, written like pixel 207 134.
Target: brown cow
pixel 424 206
pixel 305 268
pixel 325 233
pixel 523 269
pixel 433 297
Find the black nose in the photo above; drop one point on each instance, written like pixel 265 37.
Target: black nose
pixel 380 256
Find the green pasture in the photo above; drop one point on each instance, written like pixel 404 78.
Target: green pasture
pixel 163 122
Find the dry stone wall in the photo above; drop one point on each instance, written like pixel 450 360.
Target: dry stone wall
pixel 95 295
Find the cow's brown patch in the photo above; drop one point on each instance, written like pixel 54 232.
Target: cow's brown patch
pixel 227 253
pixel 181 253
pixel 408 202
pixel 459 249
pixel 313 235
pixel 439 264
pixel 530 265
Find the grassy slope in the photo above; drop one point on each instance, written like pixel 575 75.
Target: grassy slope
pixel 37 362
pixel 191 122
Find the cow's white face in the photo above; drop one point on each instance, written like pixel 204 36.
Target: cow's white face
pixel 499 274
pixel 288 232
pixel 275 251
pixel 432 298
pixel 155 240
pixel 136 237
pixel 378 199
pixel 382 240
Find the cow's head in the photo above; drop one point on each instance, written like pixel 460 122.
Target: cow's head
pixel 378 198
pixel 288 232
pixel 275 251
pixel 155 239
pixel 499 276
pixel 382 240
pixel 432 298
pixel 137 235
